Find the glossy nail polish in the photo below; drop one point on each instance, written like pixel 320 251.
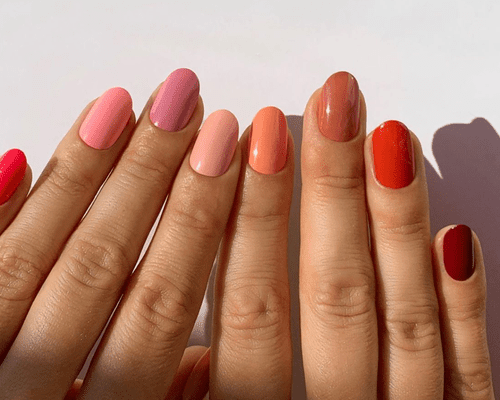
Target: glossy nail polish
pixel 338 107
pixel 12 169
pixel 215 145
pixel 458 252
pixel 175 103
pixel 393 155
pixel 268 141
pixel 106 119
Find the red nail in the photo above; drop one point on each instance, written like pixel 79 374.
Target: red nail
pixel 12 169
pixel 458 252
pixel 393 155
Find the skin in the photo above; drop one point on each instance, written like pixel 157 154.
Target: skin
pixel 380 322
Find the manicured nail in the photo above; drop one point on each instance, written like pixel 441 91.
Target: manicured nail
pixel 12 168
pixel 197 384
pixel 338 107
pixel 268 141
pixel 214 148
pixel 107 118
pixel 458 252
pixel 393 155
pixel 175 103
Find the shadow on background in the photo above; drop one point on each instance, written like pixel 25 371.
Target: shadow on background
pixel 468 156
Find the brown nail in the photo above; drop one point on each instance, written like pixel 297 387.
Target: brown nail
pixel 338 107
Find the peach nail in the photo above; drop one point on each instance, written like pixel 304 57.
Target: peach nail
pixel 215 145
pixel 268 141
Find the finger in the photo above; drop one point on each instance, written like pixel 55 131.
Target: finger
pixel 15 183
pixel 251 339
pixel 192 355
pixel 198 381
pixel 410 343
pixel 337 286
pixel 76 300
pixel 461 289
pixel 32 243
pixel 151 327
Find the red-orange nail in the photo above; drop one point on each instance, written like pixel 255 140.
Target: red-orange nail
pixel 393 156
pixel 338 107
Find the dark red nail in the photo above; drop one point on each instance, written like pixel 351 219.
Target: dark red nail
pixel 393 156
pixel 12 169
pixel 458 252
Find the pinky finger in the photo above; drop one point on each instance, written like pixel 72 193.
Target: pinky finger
pixel 461 289
pixel 15 182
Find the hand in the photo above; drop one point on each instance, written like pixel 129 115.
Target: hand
pixel 398 318
pixel 46 332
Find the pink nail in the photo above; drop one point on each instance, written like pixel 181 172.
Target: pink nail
pixel 175 103
pixel 214 148
pixel 107 118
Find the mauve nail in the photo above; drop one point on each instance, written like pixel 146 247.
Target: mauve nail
pixel 215 145
pixel 175 103
pixel 338 107
pixel 458 252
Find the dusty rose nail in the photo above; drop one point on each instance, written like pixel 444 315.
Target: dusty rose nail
pixel 338 107
pixel 106 119
pixel 214 148
pixel 175 103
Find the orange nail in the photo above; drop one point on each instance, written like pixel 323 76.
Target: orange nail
pixel 268 141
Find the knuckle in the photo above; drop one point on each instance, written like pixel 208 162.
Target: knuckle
pixel 413 228
pixel 20 272
pixel 470 309
pixel 62 176
pixel 96 262
pixel 328 187
pixel 475 383
pixel 412 327
pixel 344 300
pixel 255 309
pixel 163 307
pixel 143 162
pixel 195 219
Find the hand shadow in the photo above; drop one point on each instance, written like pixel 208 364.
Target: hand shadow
pixel 468 156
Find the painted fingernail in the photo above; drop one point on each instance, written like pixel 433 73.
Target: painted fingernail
pixel 393 155
pixel 12 169
pixel 107 118
pixel 215 145
pixel 197 384
pixel 338 107
pixel 175 103
pixel 458 252
pixel 268 141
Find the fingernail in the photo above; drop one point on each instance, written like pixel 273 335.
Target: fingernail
pixel 175 103
pixel 268 141
pixel 12 169
pixel 197 384
pixel 458 252
pixel 106 119
pixel 338 107
pixel 215 145
pixel 393 155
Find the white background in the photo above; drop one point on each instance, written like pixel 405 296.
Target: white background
pixel 433 65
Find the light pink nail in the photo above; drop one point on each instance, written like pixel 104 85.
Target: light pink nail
pixel 216 143
pixel 107 118
pixel 175 103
